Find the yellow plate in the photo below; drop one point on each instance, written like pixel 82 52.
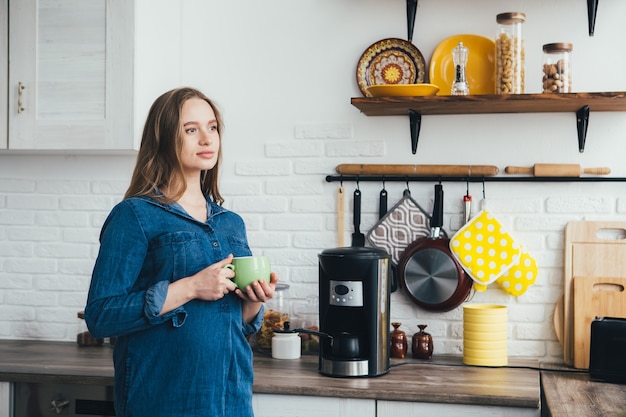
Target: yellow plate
pixel 402 90
pixel 480 68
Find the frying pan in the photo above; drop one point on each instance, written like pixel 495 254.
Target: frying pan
pixel 428 272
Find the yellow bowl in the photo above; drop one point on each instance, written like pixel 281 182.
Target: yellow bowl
pixel 484 336
pixel 479 344
pixel 486 327
pixel 402 90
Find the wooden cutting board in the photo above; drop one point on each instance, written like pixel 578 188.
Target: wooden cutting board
pixel 592 249
pixel 594 297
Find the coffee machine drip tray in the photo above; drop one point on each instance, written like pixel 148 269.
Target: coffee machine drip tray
pixel 344 368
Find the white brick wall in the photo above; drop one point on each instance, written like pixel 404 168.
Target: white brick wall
pixel 49 231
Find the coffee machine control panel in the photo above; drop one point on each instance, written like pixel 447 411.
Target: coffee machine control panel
pixel 346 293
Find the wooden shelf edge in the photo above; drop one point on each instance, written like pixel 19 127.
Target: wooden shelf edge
pixel 491 103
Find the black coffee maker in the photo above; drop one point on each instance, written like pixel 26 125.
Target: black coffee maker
pixel 354 311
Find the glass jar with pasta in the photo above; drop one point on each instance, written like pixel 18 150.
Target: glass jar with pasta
pixel 510 54
pixel 277 312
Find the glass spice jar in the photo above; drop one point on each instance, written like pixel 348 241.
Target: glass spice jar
pixel 277 312
pixel 557 67
pixel 510 54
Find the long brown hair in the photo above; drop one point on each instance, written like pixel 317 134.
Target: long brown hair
pixel 158 163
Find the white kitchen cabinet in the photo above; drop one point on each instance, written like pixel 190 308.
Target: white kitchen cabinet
pixel 271 405
pixel 5 399
pixel 4 74
pixel 70 74
pixel 416 409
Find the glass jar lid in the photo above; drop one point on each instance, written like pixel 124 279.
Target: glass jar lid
pixel 558 47
pixel 511 17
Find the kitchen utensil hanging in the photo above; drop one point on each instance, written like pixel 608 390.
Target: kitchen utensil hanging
pixel 427 271
pixel 340 215
pixel 487 252
pixel 405 222
pixel 382 202
pixel 358 238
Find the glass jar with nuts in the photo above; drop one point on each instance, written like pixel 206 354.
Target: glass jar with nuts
pixel 557 67
pixel 510 54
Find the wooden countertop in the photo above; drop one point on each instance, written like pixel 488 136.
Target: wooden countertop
pixel 410 380
pixel 567 394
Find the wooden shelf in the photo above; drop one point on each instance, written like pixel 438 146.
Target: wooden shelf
pixel 416 107
pixel 490 103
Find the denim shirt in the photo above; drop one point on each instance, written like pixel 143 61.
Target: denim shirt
pixel 194 360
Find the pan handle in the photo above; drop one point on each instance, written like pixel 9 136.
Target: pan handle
pixel 437 219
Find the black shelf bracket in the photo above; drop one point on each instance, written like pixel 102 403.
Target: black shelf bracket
pixel 582 122
pixel 592 10
pixel 411 11
pixel 415 119
pixel 440 178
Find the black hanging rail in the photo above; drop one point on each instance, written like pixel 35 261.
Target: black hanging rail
pixel 443 178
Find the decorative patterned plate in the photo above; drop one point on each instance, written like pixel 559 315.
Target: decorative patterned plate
pixel 402 90
pixel 479 71
pixel 390 61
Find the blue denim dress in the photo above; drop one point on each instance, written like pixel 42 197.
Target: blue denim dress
pixel 195 360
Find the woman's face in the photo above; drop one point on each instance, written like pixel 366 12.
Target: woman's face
pixel 201 139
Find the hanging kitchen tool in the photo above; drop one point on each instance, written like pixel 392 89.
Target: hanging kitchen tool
pixel 427 271
pixel 484 249
pixel 405 222
pixel 358 238
pixel 340 215
pixel 467 204
pixel 382 202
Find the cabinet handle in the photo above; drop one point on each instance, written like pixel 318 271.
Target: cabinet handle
pixel 20 90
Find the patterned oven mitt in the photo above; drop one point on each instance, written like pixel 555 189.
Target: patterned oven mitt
pixel 404 223
pixel 484 249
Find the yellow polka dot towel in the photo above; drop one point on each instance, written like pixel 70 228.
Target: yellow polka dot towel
pixel 484 249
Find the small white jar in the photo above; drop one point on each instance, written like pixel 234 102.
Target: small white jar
pixel 286 345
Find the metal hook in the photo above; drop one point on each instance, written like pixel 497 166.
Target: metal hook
pixel 467 186
pixel 357 183
pixel 383 181
pixel 341 180
pixel 483 188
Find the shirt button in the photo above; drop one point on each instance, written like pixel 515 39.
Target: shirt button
pixel 215 244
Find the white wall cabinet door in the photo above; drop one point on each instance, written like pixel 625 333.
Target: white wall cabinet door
pixel 71 74
pixel 270 405
pixel 4 73
pixel 414 409
pixel 5 399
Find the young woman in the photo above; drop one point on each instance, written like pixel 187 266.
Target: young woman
pixel 159 283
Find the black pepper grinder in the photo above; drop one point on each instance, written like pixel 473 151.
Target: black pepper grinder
pixel 460 86
pixel 422 346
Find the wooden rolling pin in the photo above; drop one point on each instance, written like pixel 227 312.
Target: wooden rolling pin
pixel 557 170
pixel 399 169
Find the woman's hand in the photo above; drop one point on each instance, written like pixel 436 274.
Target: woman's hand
pixel 210 284
pixel 214 281
pixel 256 294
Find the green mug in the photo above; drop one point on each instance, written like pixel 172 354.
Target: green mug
pixel 248 269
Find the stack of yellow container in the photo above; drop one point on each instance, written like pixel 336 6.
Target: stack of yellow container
pixel 485 335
